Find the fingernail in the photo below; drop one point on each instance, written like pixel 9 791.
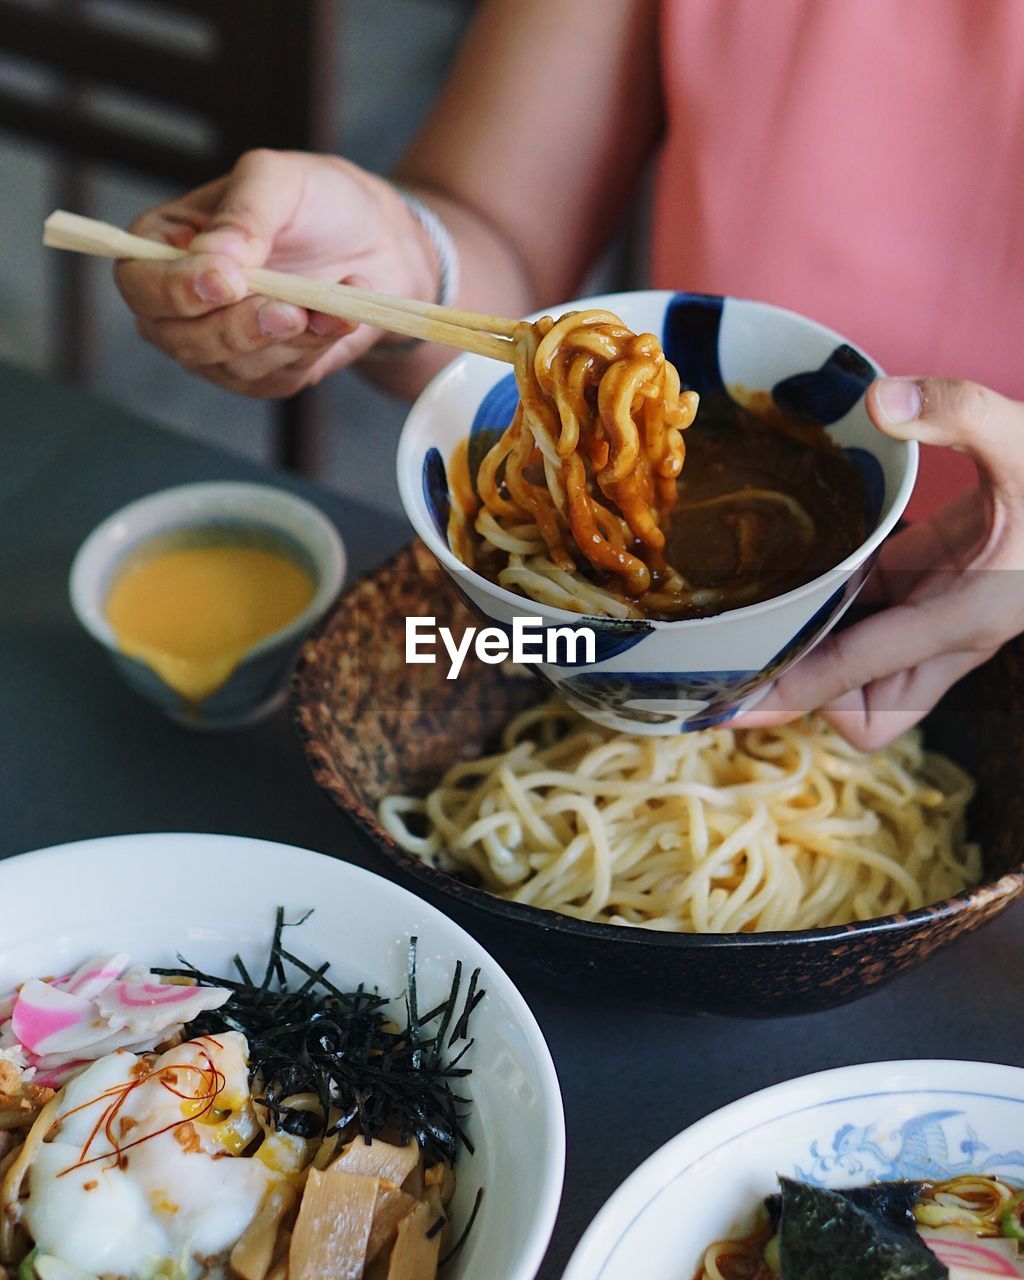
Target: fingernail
pixel 325 326
pixel 214 285
pixel 279 318
pixel 230 243
pixel 898 400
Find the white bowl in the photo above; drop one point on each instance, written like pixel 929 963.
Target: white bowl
pixel 662 677
pixel 259 683
pixel 840 1128
pixel 208 897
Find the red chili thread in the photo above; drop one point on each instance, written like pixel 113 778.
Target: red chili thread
pixel 213 1080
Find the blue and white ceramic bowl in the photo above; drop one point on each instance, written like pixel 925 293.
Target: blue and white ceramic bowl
pixel 255 514
pixel 842 1128
pixel 662 677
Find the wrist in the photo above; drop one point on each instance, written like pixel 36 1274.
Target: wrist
pixel 438 253
pixel 442 246
pixel 422 266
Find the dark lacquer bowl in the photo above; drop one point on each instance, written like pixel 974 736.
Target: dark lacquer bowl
pixel 373 724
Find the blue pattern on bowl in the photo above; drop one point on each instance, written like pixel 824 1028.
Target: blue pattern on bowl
pixel 817 623
pixel 435 491
pixel 933 1144
pixel 690 339
pixel 493 415
pixel 721 692
pixel 829 392
pixel 874 482
pixel 710 719
pixel 612 636
pixel 717 692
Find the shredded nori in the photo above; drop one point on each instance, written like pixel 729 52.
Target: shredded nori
pixel 465 1230
pixel 342 1047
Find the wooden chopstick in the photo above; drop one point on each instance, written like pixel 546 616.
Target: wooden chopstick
pixel 469 330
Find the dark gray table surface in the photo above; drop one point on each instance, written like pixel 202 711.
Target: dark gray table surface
pixel 82 756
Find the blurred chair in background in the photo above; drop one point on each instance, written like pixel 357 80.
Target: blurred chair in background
pixel 174 89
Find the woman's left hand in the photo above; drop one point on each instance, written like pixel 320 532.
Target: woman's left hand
pixel 953 585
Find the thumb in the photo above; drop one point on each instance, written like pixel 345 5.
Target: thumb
pixel 956 415
pixel 258 201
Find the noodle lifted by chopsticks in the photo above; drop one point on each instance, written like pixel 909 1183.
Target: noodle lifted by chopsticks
pixel 585 475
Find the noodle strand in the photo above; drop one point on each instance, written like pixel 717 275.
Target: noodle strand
pixel 718 831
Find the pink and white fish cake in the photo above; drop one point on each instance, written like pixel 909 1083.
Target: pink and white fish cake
pixel 104 1005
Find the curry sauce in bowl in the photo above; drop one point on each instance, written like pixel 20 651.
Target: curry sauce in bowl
pixel 767 502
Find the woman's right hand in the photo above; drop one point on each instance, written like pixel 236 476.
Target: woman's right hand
pixel 526 214
pixel 314 215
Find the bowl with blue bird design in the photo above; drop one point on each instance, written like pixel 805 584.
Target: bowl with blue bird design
pixel 646 675
pixel 922 1121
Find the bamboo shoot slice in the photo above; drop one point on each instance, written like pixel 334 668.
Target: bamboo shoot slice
pixel 332 1230
pixel 392 1206
pixel 415 1254
pixel 379 1159
pixel 253 1255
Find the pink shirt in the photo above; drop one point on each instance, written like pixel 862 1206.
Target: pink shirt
pixel 861 161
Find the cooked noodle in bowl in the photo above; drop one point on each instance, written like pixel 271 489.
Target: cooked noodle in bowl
pixel 599 424
pixel 722 831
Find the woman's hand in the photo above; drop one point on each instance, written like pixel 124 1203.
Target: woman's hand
pixel 313 215
pixel 953 584
pixel 527 213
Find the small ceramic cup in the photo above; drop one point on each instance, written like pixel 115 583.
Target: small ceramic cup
pixel 195 515
pixel 662 677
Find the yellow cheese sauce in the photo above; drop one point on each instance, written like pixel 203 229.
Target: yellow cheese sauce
pixel 192 614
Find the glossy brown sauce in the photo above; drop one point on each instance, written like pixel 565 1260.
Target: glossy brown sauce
pixel 758 546
pixel 765 503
